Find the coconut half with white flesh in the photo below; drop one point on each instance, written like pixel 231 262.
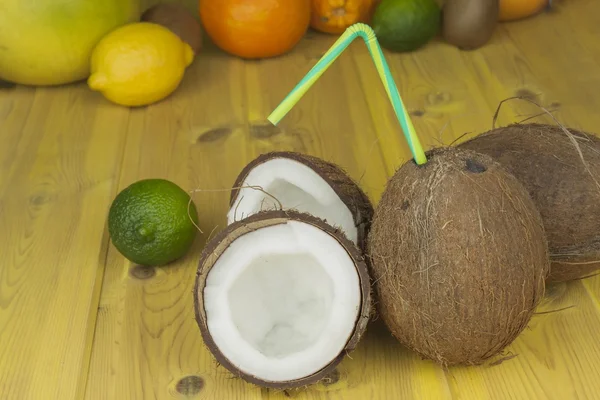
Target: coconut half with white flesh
pixel 281 297
pixel 304 183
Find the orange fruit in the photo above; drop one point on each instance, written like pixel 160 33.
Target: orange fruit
pixel 511 10
pixel 255 28
pixel 335 16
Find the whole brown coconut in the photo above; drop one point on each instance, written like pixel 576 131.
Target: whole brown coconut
pixel 179 20
pixel 563 184
pixel 459 257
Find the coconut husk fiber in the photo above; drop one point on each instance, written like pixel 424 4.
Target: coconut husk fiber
pixel 458 256
pixel 563 180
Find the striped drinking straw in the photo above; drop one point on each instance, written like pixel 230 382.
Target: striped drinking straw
pixel 365 32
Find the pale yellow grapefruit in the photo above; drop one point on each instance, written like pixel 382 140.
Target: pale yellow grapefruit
pixel 49 42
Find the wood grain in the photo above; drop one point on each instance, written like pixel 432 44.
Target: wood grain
pixel 57 182
pixel 438 91
pixel 472 85
pixel 79 321
pixel 146 340
pixel 545 364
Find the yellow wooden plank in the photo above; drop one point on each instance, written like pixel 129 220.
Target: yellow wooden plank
pixel 15 108
pixel 147 344
pixel 62 155
pixel 579 14
pixel 518 64
pixel 555 357
pixel 592 284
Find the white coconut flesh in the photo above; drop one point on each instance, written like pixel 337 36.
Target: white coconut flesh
pixel 297 187
pixel 281 302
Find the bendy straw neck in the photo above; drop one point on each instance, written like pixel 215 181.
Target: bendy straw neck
pixel 368 35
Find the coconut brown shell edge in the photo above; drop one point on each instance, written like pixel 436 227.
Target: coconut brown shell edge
pixel 342 184
pixel 223 240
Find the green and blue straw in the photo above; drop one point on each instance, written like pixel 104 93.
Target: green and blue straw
pixel 368 35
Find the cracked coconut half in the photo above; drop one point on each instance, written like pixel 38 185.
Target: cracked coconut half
pixel 281 297
pixel 306 184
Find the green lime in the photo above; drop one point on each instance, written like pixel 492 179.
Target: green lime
pixel 148 222
pixel 406 25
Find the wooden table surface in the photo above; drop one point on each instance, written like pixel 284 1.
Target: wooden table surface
pixel 77 320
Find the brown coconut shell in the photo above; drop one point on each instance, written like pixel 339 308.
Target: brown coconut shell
pixel 217 246
pixel 567 194
pixel 345 187
pixel 458 256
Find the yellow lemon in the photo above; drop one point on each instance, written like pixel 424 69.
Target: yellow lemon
pixel 139 64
